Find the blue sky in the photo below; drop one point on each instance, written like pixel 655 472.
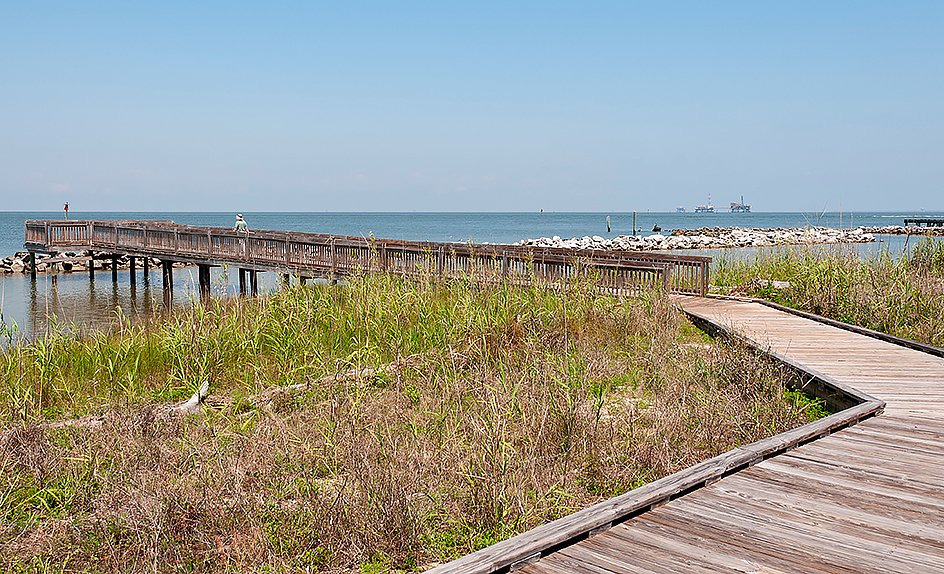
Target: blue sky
pixel 504 106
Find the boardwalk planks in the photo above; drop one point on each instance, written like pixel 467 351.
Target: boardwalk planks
pixel 869 498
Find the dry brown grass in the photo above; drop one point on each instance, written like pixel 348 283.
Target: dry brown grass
pixel 545 405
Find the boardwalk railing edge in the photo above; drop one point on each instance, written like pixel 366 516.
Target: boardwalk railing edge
pixel 838 396
pixel 530 546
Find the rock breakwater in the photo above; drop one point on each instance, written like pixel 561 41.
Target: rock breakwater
pixel 905 230
pixel 710 238
pixel 68 262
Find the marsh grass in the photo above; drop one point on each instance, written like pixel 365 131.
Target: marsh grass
pixel 499 408
pixel 901 294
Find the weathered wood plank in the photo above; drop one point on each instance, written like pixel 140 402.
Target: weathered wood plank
pixel 774 530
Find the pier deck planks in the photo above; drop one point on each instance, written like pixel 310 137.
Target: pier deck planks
pixel 869 498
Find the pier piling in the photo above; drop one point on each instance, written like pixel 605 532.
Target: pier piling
pixel 32 256
pixel 242 282
pixel 204 278
pixel 131 270
pixel 253 282
pixel 168 276
pixel 114 268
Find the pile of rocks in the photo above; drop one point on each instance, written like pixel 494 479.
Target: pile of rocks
pixel 710 238
pixel 905 230
pixel 20 262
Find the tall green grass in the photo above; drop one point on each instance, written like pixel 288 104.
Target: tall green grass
pixel 899 294
pixel 490 409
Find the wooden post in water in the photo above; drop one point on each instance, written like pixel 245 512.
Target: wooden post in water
pixel 203 275
pixel 168 276
pixel 114 268
pixel 131 270
pixel 242 281
pixel 634 223
pixel 254 282
pixel 91 265
pixel 32 256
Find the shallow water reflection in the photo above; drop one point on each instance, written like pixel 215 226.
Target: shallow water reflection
pixel 72 302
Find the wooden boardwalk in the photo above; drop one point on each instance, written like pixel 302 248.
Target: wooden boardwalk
pixel 867 498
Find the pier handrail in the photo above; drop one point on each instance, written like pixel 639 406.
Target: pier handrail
pixel 336 255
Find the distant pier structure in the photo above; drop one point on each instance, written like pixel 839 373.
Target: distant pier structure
pixel 924 222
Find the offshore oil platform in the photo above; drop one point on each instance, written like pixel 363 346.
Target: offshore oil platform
pixel 705 207
pixel 740 206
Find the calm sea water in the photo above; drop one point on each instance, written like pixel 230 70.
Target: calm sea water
pixel 28 306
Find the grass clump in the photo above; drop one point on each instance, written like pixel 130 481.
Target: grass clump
pixel 900 294
pixel 384 425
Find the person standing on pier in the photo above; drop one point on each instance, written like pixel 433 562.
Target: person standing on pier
pixel 241 228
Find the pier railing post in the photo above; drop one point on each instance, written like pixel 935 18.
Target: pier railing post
pixel 704 278
pixel 439 264
pixel 288 260
pixel 334 260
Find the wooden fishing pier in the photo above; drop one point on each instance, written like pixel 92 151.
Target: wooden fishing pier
pixel 924 222
pixel 858 491
pixel 331 257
